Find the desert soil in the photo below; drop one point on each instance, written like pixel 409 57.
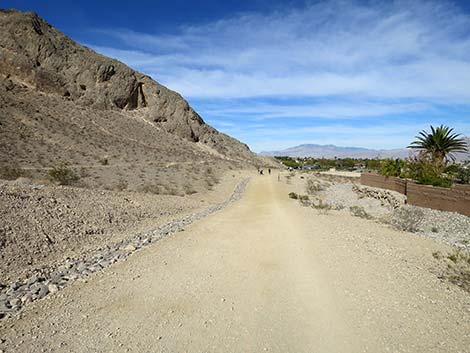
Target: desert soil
pixel 263 275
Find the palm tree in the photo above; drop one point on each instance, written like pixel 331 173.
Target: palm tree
pixel 440 144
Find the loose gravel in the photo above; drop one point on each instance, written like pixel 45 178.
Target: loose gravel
pixel 390 207
pixel 20 293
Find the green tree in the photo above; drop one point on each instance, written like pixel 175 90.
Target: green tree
pixel 392 167
pixel 440 144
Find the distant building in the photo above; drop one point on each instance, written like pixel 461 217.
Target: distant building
pixel 311 166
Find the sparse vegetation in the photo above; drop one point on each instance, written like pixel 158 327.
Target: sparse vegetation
pixel 121 185
pixel 457 269
pixel 104 161
pixel 314 187
pixel 322 207
pixel 359 211
pixel 407 219
pixel 293 195
pixel 11 173
pixel 63 174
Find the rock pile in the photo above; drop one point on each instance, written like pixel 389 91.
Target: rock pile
pixel 385 197
pixel 18 294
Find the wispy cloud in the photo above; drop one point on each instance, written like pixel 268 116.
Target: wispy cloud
pixel 388 49
pixel 369 59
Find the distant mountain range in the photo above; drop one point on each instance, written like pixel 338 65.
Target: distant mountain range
pixel 332 151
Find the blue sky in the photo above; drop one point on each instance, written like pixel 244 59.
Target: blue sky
pixel 280 73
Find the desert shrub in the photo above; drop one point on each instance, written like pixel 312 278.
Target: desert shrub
pixel 322 207
pixel 392 167
pixel 121 185
pixel 104 161
pixel 293 195
pixel 407 219
pixel 11 173
pixel 151 188
pixel 304 200
pixel 63 174
pixel 359 211
pixel 189 189
pixel 457 269
pixel 314 186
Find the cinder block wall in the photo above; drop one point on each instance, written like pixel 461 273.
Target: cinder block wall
pixel 379 181
pixel 455 199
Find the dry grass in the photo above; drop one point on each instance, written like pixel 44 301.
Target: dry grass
pixel 456 267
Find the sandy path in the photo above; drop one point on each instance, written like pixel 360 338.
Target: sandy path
pixel 264 274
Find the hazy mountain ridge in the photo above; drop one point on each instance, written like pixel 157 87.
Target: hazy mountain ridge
pixel 332 151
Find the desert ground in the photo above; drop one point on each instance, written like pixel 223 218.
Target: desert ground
pixel 264 274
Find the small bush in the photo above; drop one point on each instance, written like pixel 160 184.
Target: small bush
pixel 303 197
pixel 63 174
pixel 407 219
pixel 322 207
pixel 359 211
pixel 314 186
pixel 457 270
pixel 293 195
pixel 121 185
pixel 11 173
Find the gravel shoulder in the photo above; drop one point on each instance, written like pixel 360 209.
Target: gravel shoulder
pixel 42 226
pixel 264 274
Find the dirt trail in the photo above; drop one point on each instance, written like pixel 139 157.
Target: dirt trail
pixel 264 275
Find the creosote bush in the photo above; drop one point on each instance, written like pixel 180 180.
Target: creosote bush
pixel 293 195
pixel 407 219
pixel 457 270
pixel 63 174
pixel 359 211
pixel 322 207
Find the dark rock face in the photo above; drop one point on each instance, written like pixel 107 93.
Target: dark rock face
pixel 38 55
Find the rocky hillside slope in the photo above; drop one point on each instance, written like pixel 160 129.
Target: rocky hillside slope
pixel 63 102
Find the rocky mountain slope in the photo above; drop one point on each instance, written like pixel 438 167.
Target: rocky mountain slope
pixel 63 102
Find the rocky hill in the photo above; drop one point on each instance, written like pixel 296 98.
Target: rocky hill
pixel 62 102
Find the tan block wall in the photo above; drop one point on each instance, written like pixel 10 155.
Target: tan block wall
pixel 455 199
pixel 379 181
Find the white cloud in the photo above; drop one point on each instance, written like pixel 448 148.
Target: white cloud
pixel 417 49
pixel 334 60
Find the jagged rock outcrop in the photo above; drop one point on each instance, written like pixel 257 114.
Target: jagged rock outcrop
pixel 39 56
